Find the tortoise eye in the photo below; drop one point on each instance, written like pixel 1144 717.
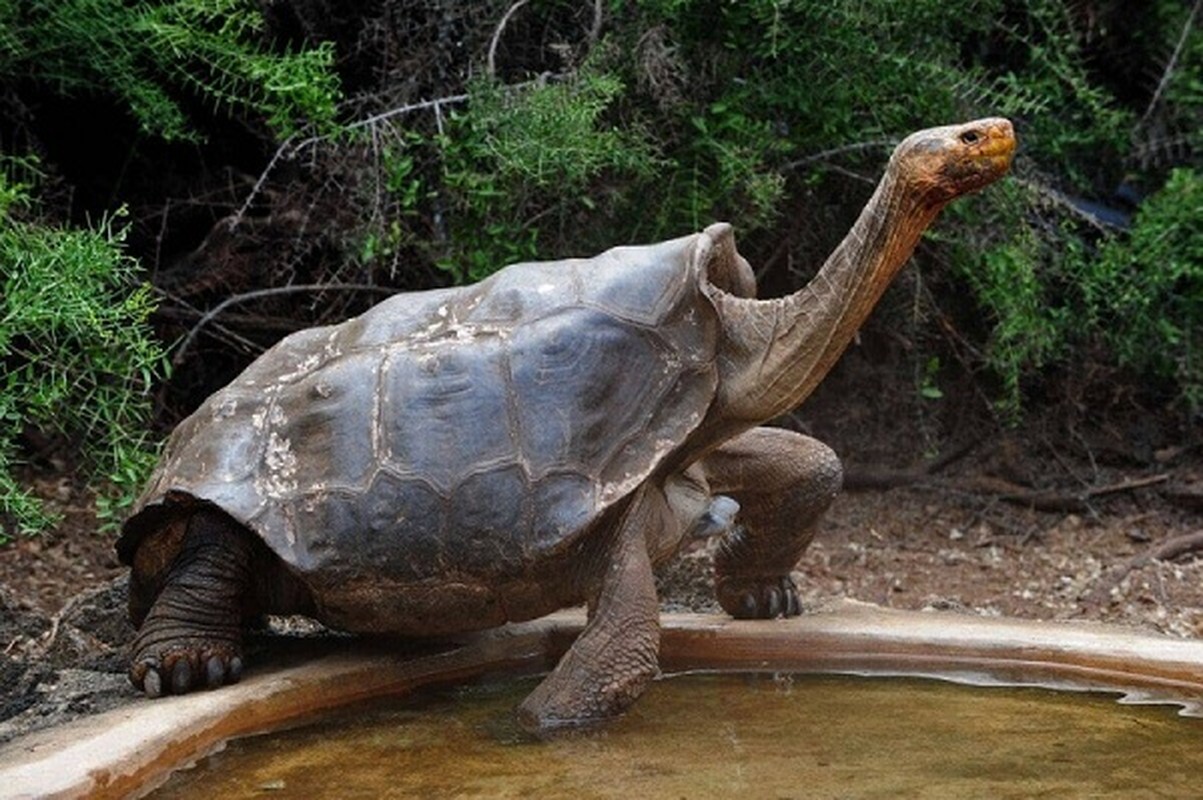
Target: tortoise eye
pixel 971 137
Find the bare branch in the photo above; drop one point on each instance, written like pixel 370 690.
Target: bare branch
pixel 1170 67
pixel 218 309
pixel 1167 550
pixel 826 155
pixel 505 20
pixel 406 109
pixel 236 220
pixel 1063 202
pixel 595 30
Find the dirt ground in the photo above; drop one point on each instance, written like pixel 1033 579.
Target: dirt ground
pixel 1010 522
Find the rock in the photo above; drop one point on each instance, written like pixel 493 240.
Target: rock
pixel 56 669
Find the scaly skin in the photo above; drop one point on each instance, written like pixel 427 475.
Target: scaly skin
pixel 192 636
pixel 615 657
pixel 783 482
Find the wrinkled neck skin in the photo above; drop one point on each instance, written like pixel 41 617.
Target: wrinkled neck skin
pixel 777 351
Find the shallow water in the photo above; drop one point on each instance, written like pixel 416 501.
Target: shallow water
pixel 721 736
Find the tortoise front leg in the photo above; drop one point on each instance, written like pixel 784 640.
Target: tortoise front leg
pixel 615 657
pixel 783 481
pixel 192 636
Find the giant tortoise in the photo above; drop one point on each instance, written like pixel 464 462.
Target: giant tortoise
pixel 457 459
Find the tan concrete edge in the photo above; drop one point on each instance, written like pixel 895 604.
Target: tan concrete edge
pixel 130 750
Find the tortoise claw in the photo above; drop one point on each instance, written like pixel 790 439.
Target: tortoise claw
pixel 181 677
pixel 763 598
pixel 152 684
pixel 182 669
pixel 215 672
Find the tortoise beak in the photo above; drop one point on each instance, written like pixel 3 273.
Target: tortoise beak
pixel 999 146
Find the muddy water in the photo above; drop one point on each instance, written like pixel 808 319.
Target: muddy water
pixel 711 736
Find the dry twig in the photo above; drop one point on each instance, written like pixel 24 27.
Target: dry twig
pixel 220 308
pixel 1170 67
pixel 1167 550
pixel 505 20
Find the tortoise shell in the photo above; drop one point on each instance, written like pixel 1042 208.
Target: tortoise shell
pixel 456 434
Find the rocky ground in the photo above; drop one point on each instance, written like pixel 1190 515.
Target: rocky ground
pixel 1008 524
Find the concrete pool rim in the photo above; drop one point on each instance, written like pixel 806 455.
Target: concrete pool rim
pixel 131 750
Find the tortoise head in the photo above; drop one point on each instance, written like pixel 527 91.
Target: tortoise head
pixel 938 165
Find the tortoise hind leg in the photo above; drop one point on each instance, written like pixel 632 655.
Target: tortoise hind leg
pixel 615 657
pixel 192 636
pixel 783 482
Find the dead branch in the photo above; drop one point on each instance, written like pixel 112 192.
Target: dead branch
pixel 1170 67
pixel 1167 550
pixel 826 155
pixel 1061 201
pixel 595 28
pixel 505 20
pixel 258 322
pixel 871 478
pixel 1051 500
pixel 258 187
pixel 220 308
pixel 999 488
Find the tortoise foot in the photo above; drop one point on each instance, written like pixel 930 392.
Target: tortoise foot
pixel 180 669
pixel 759 598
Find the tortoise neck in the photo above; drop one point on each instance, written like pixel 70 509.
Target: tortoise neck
pixel 787 345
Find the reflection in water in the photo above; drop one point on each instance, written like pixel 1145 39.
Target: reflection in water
pixel 729 736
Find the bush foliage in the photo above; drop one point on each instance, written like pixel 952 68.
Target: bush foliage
pixel 153 56
pixel 470 136
pixel 79 357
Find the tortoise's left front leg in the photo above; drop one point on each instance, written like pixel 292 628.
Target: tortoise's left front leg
pixel 192 636
pixel 616 656
pixel 783 481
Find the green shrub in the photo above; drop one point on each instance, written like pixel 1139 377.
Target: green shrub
pixel 520 159
pixel 1144 294
pixel 78 356
pixel 152 54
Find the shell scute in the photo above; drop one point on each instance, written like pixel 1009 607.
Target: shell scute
pixel 292 357
pixel 329 419
pixel 567 502
pixel 403 507
pixel 581 379
pixel 489 519
pixel 445 409
pixel 393 320
pixel 640 284
pixel 526 291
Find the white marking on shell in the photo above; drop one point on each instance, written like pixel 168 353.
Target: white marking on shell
pixel 323 389
pixel 281 465
pixel 276 416
pixel 332 349
pixel 259 418
pixel 544 288
pixel 304 368
pixel 312 501
pixel 225 409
